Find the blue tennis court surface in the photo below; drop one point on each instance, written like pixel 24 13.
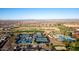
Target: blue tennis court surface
pixel 62 38
pixel 40 38
pixel 27 38
pixel 24 38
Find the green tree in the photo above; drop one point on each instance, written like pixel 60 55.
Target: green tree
pixel 70 34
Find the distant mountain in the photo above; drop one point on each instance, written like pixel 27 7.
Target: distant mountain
pixel 40 20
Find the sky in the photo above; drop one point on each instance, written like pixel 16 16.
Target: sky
pixel 39 13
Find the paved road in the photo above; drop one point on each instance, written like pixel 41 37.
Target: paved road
pixel 55 41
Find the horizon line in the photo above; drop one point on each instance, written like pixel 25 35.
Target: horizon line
pixel 41 19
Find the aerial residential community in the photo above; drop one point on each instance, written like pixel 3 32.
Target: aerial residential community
pixel 38 35
pixel 39 29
